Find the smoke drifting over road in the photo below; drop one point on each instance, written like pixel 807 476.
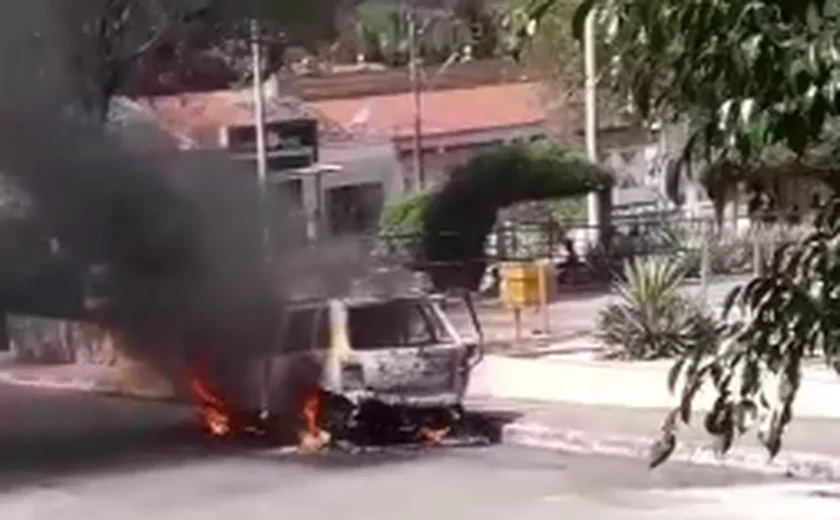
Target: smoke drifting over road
pixel 183 234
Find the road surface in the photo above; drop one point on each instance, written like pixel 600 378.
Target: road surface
pixel 83 457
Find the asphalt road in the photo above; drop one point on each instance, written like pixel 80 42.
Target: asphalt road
pixel 82 457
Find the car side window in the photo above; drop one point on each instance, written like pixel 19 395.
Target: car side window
pixel 306 329
pixel 419 331
pixel 391 324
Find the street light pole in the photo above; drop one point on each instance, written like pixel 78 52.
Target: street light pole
pixel 591 119
pixel 259 128
pixel 259 104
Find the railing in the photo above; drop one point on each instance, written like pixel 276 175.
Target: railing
pixel 706 248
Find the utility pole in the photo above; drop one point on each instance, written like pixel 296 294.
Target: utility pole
pixel 259 104
pixel 416 91
pixel 262 179
pixel 594 210
pixel 259 128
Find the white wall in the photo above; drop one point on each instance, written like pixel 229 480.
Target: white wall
pixel 360 163
pixel 364 163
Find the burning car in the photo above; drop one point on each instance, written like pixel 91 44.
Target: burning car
pixel 360 369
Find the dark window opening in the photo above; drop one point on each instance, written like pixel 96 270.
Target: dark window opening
pixel 395 324
pixel 307 329
pixel 355 209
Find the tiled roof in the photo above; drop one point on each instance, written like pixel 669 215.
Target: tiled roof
pixel 443 112
pixel 199 116
pixel 138 127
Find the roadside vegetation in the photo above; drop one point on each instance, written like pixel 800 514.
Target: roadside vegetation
pixel 652 318
pixel 756 84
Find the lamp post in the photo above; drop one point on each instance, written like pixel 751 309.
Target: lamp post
pixel 591 118
pixel 258 94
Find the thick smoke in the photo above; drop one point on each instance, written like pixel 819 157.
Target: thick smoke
pixel 182 233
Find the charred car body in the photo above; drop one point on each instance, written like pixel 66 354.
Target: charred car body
pixel 382 368
pixel 379 364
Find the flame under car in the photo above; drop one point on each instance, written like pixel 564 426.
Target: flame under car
pixel 360 369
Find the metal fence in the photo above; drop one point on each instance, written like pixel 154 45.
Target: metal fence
pixel 706 248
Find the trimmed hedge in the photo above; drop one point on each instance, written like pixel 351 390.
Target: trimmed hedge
pixel 460 214
pixel 404 217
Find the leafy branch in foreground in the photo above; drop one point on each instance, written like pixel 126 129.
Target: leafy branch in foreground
pixel 786 315
pixel 757 82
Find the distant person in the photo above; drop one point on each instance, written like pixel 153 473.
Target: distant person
pixel 794 217
pixel 572 257
pixel 816 202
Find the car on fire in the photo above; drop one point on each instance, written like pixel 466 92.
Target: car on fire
pixel 373 367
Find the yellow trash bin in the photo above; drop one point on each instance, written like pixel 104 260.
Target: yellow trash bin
pixel 521 284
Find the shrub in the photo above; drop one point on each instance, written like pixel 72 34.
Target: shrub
pixel 400 227
pixel 731 254
pixel 404 217
pixel 462 212
pixel 651 318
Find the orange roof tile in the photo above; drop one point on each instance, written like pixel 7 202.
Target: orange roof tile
pixel 195 116
pixel 199 116
pixel 443 112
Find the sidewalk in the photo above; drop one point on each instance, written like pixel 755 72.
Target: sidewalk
pixel 572 316
pixel 623 383
pixel 617 408
pixel 134 382
pixel 810 448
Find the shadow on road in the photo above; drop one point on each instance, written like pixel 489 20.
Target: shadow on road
pixel 63 437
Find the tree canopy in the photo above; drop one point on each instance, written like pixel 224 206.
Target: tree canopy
pixel 750 77
pixel 758 84
pixel 102 42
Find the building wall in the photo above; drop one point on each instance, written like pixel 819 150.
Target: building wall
pixel 444 152
pixel 347 164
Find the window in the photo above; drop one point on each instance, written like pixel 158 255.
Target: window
pixel 307 329
pixel 394 324
pixel 354 209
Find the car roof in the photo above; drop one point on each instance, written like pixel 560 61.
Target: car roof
pixel 356 301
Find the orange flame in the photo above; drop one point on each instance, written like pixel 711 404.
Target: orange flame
pixel 312 437
pixel 211 409
pixel 432 436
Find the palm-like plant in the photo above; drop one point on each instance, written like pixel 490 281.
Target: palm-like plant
pixel 651 318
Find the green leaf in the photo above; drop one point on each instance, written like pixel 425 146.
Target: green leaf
pixel 662 449
pixel 745 412
pixel 674 373
pixel 771 437
pixel 730 300
pixel 813 17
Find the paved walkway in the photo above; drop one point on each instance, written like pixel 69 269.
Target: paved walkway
pixel 617 408
pixel 621 383
pixel 572 317
pixel 817 435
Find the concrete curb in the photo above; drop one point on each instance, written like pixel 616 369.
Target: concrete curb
pixel 803 465
pixel 101 386
pixel 77 384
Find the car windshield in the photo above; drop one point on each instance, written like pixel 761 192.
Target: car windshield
pixel 391 324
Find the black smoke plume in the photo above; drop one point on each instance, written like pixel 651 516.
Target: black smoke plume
pixel 182 233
